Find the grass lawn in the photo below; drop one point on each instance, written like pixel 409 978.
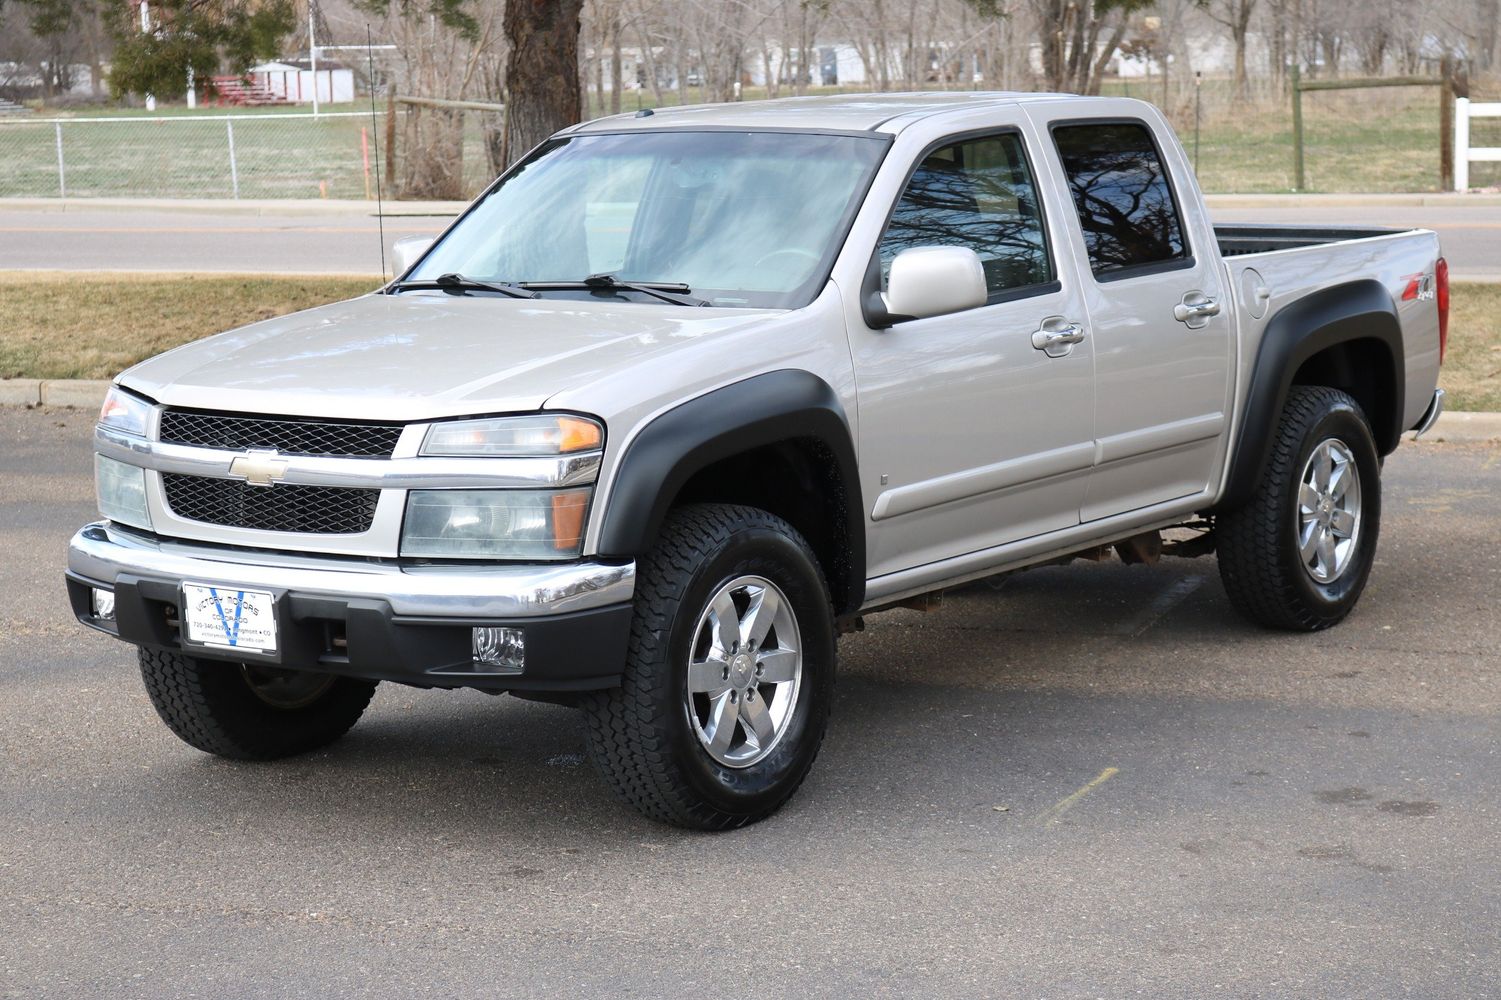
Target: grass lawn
pixel 71 325
pixel 62 325
pixel 1472 368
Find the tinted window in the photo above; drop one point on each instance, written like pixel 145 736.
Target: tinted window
pixel 1121 194
pixel 977 194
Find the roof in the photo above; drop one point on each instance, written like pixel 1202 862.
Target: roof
pixel 843 112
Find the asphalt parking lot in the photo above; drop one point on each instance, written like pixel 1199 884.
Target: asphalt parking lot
pixel 1090 781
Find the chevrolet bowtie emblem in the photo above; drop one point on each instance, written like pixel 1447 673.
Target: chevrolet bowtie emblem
pixel 259 468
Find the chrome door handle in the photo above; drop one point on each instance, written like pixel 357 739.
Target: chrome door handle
pixel 1057 337
pixel 1195 310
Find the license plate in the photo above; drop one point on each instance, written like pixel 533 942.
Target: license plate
pixel 229 618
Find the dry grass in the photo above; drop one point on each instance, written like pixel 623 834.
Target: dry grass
pixel 72 325
pixel 60 325
pixel 1472 368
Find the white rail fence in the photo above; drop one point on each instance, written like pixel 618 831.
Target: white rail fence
pixel 1464 154
pixel 241 155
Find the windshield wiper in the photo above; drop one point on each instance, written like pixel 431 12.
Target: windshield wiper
pixel 667 291
pixel 459 283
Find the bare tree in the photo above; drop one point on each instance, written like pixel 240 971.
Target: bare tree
pixel 1235 16
pixel 1079 38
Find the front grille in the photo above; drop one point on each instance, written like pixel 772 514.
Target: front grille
pixel 316 510
pixel 290 437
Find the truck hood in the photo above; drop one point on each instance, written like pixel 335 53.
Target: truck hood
pixel 420 356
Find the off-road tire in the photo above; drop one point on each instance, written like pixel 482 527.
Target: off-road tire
pixel 1258 542
pixel 639 735
pixel 209 705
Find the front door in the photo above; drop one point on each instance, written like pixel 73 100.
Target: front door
pixel 1162 324
pixel 976 428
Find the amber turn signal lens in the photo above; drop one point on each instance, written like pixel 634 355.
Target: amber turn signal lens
pixel 568 519
pixel 578 435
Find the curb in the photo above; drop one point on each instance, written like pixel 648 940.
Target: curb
pixel 1452 425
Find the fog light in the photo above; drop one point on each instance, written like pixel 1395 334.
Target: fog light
pixel 500 650
pixel 104 604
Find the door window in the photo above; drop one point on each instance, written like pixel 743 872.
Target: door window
pixel 1120 190
pixel 977 194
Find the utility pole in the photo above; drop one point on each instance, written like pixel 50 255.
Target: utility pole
pixel 312 49
pixel 146 30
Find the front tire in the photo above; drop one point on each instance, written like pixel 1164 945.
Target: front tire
pixel 250 712
pixel 1297 556
pixel 729 674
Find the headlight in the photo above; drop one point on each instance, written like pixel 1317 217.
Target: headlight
pixel 534 434
pixel 495 524
pixel 122 492
pixel 125 412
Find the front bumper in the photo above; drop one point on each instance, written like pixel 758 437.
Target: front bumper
pixel 368 618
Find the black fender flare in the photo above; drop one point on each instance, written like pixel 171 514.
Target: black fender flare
pixel 1357 310
pixel 772 408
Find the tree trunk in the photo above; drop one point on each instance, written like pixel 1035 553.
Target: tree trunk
pixel 617 74
pixel 542 74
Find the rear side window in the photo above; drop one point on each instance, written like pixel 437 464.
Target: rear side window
pixel 976 194
pixel 1121 193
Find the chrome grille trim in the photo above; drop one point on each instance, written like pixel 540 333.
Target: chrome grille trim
pixel 362 473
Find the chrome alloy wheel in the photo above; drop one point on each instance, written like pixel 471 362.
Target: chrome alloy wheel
pixel 744 670
pixel 285 689
pixel 1328 511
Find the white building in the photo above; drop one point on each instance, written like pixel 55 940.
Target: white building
pixel 295 81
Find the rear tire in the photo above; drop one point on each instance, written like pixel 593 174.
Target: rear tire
pixel 1297 556
pixel 722 707
pixel 247 712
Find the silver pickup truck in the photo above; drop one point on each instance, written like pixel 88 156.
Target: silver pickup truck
pixel 685 394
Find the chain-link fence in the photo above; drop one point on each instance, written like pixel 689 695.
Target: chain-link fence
pixel 244 155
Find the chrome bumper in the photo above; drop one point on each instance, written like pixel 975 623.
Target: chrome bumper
pixel 1431 415
pixel 102 552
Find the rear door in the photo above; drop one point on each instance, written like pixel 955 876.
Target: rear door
pixel 1161 319
pixel 971 436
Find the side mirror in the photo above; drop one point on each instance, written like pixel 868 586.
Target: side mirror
pixel 406 251
pixel 934 281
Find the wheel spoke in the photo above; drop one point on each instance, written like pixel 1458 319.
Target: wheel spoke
pixel 778 665
pixel 759 616
pixel 707 676
pixel 722 716
pixel 1339 480
pixel 1326 551
pixel 757 720
pixel 1308 497
pixel 1309 544
pixel 1323 467
pixel 726 622
pixel 1343 523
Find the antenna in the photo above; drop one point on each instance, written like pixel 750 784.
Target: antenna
pixel 380 211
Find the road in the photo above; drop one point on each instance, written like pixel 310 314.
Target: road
pixel 1092 781
pixel 154 240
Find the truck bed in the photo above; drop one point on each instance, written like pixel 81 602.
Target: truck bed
pixel 1239 239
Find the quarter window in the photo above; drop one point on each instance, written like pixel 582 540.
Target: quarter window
pixel 976 194
pixel 1121 193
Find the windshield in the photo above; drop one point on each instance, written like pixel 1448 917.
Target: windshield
pixel 740 218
